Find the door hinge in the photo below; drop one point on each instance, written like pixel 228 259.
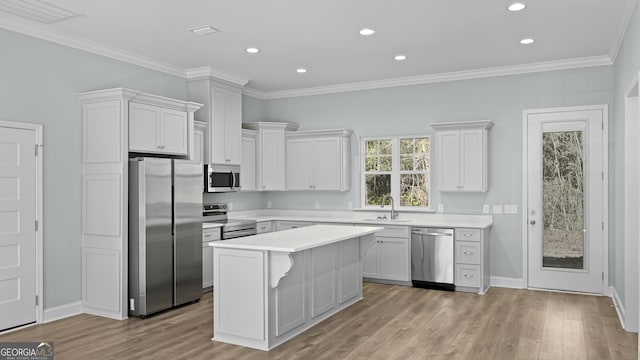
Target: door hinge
pixel 603 226
pixel 603 175
pixel 36 150
pixel 36 300
pixel 603 276
pixel 36 225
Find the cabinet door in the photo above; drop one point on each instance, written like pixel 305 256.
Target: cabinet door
pixel 472 159
pixel 143 128
pixel 207 266
pixel 448 148
pixel 299 164
pixel 218 125
pixel 394 259
pixel 370 263
pixel 173 132
pixel 326 164
pixel 198 145
pixel 233 128
pixel 248 165
pixel 271 160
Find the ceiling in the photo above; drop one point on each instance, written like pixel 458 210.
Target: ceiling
pixel 438 37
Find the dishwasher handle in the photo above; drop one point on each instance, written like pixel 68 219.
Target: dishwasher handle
pixel 430 233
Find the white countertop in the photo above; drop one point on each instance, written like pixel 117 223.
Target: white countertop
pixel 369 219
pixel 297 239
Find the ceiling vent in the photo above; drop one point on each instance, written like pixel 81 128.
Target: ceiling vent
pixel 36 10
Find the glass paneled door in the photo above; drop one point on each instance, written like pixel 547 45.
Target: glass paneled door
pixel 565 200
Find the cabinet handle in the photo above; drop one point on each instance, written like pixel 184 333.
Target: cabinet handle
pixel 264 186
pixel 468 276
pixel 468 253
pixel 160 146
pixel 467 234
pixel 310 186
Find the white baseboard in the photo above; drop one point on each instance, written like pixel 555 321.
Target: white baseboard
pixel 613 293
pixel 62 311
pixel 507 282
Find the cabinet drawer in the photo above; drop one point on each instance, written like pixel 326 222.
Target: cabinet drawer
pixel 286 225
pixel 394 231
pixel 468 252
pixel 263 227
pixel 468 234
pixel 468 275
pixel 210 235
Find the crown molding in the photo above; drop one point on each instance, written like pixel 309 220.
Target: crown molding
pixel 258 94
pixel 207 72
pixel 629 6
pixel 475 124
pixel 45 33
pixel 444 77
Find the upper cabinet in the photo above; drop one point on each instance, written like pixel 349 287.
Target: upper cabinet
pixel 461 153
pixel 199 142
pixel 270 158
pixel 154 129
pixel 248 166
pixel 318 160
pixel 222 111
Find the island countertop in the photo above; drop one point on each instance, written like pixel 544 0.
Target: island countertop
pixel 299 239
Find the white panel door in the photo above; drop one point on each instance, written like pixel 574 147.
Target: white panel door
pixel 17 227
pixel 234 127
pixel 326 164
pixel 248 165
pixel 448 147
pixel 565 182
pixel 471 159
pixel 173 131
pixel 218 126
pixel 271 160
pixel 394 258
pixel 143 128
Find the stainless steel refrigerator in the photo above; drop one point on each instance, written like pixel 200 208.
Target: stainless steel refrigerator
pixel 165 234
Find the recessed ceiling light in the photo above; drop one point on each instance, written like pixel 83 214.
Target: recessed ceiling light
pixel 301 70
pixel 253 50
pixel 400 57
pixel 516 6
pixel 367 32
pixel 527 41
pixel 204 30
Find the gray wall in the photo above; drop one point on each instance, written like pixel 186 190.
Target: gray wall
pixel 626 68
pixel 410 109
pixel 40 81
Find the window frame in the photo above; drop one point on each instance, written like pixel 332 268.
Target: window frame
pixel 395 171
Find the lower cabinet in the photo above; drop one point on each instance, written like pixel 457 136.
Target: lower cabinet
pixel 389 258
pixel 207 257
pixel 264 227
pixel 472 260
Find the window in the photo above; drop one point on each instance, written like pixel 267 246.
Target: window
pixel 396 165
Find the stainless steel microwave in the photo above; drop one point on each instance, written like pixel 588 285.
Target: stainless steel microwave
pixel 221 178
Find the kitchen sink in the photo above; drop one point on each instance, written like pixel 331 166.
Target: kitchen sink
pixel 387 220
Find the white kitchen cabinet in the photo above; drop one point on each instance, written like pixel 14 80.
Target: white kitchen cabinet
pixel 154 129
pixel 200 142
pixel 389 257
pixel 318 160
pixel 264 227
pixel 207 256
pixel 472 271
pixel 270 154
pixel 107 116
pixel 248 166
pixel 222 111
pixel 461 153
pixel 286 225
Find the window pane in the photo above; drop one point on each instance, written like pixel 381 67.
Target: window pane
pixel 377 186
pixel 406 162
pixel 421 162
pixel 414 190
pixel 422 145
pixel 406 146
pixel 371 147
pixel 384 147
pixel 384 163
pixel 371 163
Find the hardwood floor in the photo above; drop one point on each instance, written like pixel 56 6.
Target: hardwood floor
pixel 392 322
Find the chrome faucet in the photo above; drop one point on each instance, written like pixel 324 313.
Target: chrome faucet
pixel 394 214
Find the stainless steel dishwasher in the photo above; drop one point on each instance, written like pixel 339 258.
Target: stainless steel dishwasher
pixel 432 251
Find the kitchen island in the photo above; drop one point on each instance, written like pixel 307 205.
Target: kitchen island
pixel 271 287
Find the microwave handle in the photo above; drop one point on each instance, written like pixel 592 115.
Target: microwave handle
pixel 233 180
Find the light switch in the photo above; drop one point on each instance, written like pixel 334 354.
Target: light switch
pixel 269 204
pixel 485 209
pixel 440 208
pixel 497 209
pixel 350 205
pixel 317 205
pixel 511 209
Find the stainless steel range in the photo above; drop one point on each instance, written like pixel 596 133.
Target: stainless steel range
pixel 231 228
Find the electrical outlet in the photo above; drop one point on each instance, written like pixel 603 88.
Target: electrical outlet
pixel 230 206
pixel 350 205
pixel 511 209
pixel 485 209
pixel 497 209
pixel 440 208
pixel 268 204
pixel 317 205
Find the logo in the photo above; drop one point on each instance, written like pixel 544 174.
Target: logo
pixel 26 350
